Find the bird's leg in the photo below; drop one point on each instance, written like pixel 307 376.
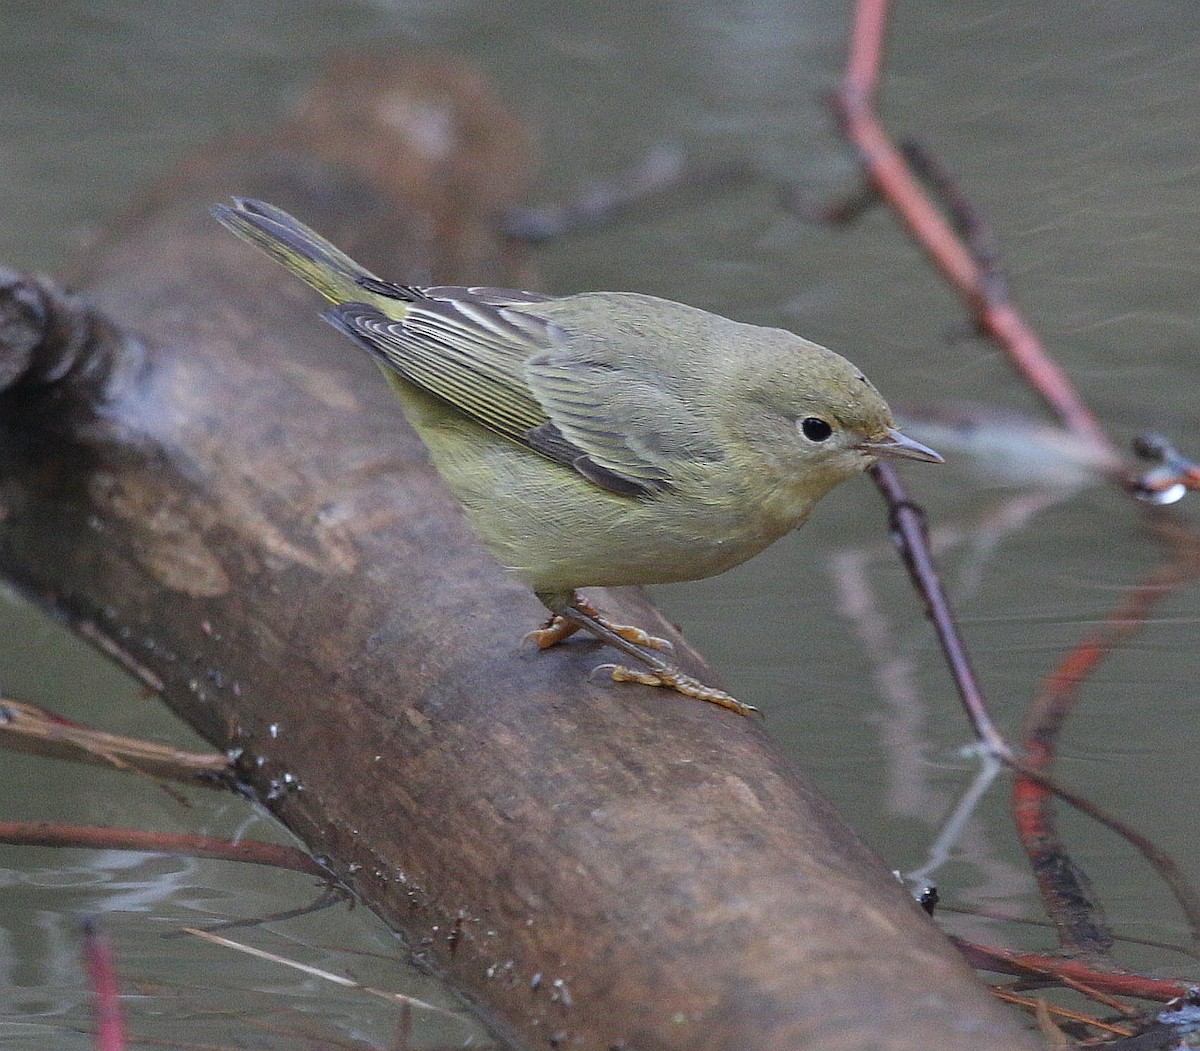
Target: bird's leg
pixel 559 627
pixel 660 673
pixel 552 632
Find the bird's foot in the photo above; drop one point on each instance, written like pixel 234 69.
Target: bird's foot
pixel 558 628
pixel 674 679
pixel 552 632
pixel 633 634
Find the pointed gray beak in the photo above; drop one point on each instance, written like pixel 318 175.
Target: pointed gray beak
pixel 896 444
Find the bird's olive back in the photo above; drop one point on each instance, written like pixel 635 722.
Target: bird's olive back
pixel 721 367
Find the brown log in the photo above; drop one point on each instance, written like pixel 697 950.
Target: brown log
pixel 233 506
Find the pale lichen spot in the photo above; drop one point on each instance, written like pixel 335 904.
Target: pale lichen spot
pixel 165 531
pixel 738 788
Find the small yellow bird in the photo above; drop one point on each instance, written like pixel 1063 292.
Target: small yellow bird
pixel 604 438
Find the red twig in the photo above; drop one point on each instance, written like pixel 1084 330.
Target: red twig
pixel 1076 973
pixel 892 176
pixel 1177 882
pixel 102 974
pixel 972 226
pixel 1033 803
pixel 908 531
pixel 44 834
pixel 972 270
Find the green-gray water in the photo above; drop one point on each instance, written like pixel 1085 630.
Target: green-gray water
pixel 1074 127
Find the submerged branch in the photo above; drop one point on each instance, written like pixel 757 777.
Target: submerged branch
pixel 96 837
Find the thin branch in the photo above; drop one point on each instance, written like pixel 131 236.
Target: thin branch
pixel 1065 895
pixel 663 171
pixel 1060 970
pixel 886 167
pixel 1176 879
pixel 98 837
pixel 970 221
pixel 911 538
pixel 1002 916
pixel 1034 1004
pixel 29 728
pixel 972 269
pixel 330 894
pixel 328 976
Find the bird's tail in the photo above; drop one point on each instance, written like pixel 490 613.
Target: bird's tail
pixel 301 250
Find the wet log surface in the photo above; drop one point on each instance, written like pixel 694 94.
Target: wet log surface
pixel 233 506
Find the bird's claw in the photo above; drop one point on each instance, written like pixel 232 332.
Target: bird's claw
pixel 672 678
pixel 633 634
pixel 551 633
pixel 558 628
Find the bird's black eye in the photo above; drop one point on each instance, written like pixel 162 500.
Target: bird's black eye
pixel 815 429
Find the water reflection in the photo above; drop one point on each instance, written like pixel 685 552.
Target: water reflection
pixel 1076 134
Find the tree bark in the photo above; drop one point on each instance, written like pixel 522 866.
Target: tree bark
pixel 232 506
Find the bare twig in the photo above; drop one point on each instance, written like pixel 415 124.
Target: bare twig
pixel 1177 882
pixel 1034 1004
pixel 28 728
pixel 1060 970
pixel 95 837
pixel 330 895
pixel 1078 930
pixel 908 531
pixel 971 264
pixel 318 972
pixel 662 171
pixel 910 537
pixel 892 176
pixel 972 224
pixel 1004 916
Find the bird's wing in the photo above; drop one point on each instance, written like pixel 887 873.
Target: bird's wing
pixel 614 423
pixel 468 350
pixel 512 371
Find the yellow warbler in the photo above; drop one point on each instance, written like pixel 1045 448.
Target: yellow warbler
pixel 603 438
